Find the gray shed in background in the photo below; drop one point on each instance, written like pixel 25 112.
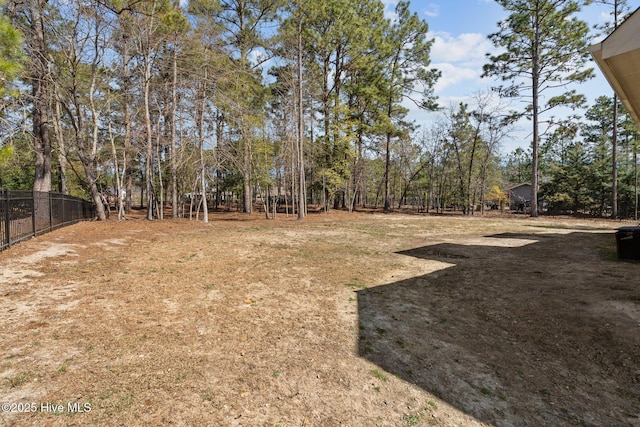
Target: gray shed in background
pixel 520 197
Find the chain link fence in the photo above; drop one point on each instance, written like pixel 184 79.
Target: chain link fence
pixel 24 214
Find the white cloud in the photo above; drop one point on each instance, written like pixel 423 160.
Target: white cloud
pixel 454 75
pixel 432 10
pixel 460 59
pixel 390 9
pixel 467 47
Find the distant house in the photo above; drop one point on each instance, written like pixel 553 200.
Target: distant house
pixel 520 197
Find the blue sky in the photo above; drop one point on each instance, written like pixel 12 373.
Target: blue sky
pixel 459 29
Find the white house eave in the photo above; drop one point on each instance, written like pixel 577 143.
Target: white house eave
pixel 618 57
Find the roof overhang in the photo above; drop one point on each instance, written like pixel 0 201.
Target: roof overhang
pixel 618 56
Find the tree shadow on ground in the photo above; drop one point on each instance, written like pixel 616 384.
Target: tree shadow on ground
pixel 520 329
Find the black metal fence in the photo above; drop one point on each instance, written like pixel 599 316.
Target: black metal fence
pixel 24 214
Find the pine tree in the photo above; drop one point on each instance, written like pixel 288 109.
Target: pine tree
pixel 619 7
pixel 244 22
pixel 407 71
pixel 545 49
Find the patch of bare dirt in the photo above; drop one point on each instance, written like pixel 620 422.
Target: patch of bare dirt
pixel 341 319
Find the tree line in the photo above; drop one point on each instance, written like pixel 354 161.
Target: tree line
pixel 269 103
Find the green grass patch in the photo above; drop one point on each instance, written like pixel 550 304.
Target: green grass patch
pixel 411 419
pixel 379 375
pixel 485 391
pixel 18 380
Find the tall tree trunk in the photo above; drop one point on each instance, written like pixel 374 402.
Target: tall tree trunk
pixel 62 149
pixel 88 163
pixel 40 93
pixel 144 45
pixel 614 138
pixel 91 164
pixel 387 172
pixel 247 197
pixel 120 193
pixel 219 146
pixel 294 197
pixel 326 106
pixel 476 136
pixel 160 196
pixel 535 73
pixel 463 190
pixel 302 191
pixel 126 93
pixel 174 164
pixel 203 182
pixel 387 157
pixel 148 169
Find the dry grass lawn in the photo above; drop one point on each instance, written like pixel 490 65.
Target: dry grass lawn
pixel 342 319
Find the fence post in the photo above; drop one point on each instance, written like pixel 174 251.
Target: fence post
pixel 33 214
pixel 7 218
pixel 50 212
